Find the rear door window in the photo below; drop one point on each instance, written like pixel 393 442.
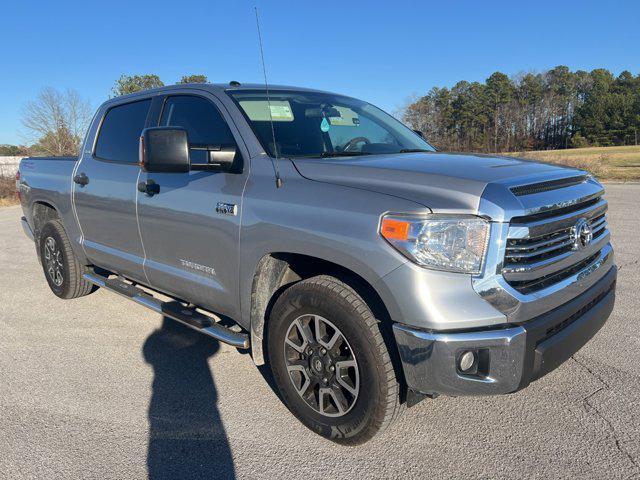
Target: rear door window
pixel 201 119
pixel 120 132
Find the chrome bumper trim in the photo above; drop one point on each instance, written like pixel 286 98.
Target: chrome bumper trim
pixel 507 359
pixel 429 360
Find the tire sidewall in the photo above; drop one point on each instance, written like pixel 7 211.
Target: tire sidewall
pixel 50 229
pixel 323 302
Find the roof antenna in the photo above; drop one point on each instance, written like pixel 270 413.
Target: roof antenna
pixel 275 165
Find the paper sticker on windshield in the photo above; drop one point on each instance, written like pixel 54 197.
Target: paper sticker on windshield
pixel 258 110
pixel 347 118
pixel 325 125
pixel 281 112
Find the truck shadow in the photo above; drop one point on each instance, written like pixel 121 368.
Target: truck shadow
pixel 187 438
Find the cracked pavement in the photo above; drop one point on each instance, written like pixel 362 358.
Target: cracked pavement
pixel 101 388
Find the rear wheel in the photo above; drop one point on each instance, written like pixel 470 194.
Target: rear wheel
pixel 60 265
pixel 330 361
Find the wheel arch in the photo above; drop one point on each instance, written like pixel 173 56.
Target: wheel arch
pixel 41 213
pixel 277 271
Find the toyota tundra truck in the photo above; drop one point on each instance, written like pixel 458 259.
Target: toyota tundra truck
pixel 366 268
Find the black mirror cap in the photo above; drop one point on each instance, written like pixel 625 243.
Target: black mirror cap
pixel 419 133
pixel 164 149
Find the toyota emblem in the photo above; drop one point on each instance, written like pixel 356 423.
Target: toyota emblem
pixel 581 234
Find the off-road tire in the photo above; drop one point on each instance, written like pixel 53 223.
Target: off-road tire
pixel 378 402
pixel 69 284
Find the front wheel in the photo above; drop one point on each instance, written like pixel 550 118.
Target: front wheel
pixel 330 362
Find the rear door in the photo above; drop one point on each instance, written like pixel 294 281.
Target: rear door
pixel 191 243
pixel 105 200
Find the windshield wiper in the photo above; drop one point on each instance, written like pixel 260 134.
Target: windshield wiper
pixel 414 150
pixel 343 154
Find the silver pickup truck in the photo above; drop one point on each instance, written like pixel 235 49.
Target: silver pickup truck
pixel 366 268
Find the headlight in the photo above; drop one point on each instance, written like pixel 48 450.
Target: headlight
pixel 455 243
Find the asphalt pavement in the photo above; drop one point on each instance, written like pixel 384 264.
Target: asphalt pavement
pixel 102 388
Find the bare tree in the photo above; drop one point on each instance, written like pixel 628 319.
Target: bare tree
pixel 55 122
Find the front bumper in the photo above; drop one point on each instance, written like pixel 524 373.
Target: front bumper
pixel 507 359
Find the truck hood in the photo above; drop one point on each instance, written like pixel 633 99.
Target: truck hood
pixel 450 182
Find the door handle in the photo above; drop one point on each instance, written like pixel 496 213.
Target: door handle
pixel 149 187
pixel 81 179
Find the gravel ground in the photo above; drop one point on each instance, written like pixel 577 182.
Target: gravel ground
pixel 101 388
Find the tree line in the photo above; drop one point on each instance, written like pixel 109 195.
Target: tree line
pixel 532 111
pixel 134 83
pixel 55 121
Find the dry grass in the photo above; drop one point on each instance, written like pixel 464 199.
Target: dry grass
pixel 8 191
pixel 606 163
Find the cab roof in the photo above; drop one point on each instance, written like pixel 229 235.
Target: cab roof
pixel 225 87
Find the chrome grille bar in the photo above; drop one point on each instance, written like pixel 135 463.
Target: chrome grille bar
pixel 536 252
pixel 546 226
pixel 539 244
pixel 533 270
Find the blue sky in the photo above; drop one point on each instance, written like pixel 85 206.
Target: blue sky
pixel 379 51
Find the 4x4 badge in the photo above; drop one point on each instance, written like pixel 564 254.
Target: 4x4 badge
pixel 227 208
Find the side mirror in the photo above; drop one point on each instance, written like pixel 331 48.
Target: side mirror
pixel 419 133
pixel 215 158
pixel 164 149
pixel 222 158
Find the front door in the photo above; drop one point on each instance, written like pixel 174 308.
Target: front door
pixel 105 192
pixel 191 240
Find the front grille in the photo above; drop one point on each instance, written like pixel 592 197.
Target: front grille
pixel 541 249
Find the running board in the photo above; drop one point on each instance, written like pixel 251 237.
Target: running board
pixel 173 309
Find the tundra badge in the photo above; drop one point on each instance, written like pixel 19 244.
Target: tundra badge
pixel 197 266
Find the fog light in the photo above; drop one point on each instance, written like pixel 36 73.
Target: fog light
pixel 467 359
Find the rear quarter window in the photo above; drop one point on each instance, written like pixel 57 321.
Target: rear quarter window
pixel 120 132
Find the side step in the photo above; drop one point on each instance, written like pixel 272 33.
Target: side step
pixel 173 309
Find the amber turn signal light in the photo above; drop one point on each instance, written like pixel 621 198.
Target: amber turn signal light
pixel 392 229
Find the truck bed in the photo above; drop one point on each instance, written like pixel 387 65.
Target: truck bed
pixel 47 180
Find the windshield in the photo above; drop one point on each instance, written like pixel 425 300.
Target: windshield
pixel 310 124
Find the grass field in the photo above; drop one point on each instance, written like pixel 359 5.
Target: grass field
pixel 606 163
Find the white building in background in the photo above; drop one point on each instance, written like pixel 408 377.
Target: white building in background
pixel 9 165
